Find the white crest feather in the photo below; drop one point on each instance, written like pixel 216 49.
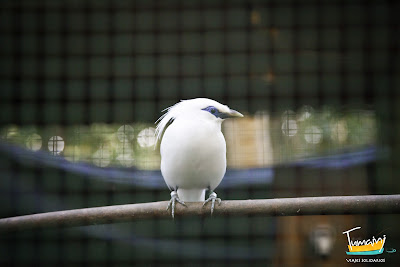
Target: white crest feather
pixel 182 107
pixel 162 122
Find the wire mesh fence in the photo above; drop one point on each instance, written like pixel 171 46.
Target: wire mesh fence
pixel 82 83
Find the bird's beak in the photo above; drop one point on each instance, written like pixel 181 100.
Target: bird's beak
pixel 233 113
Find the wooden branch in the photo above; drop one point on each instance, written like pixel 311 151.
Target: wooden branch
pixel 374 204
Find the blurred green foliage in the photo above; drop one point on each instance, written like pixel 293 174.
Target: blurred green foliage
pixel 293 135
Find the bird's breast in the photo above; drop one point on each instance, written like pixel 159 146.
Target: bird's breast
pixel 193 155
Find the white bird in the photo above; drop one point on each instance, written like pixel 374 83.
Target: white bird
pixel 193 149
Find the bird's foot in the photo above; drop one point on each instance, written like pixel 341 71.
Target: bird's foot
pixel 213 197
pixel 172 203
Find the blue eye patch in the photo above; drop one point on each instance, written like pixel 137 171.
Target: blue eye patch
pixel 214 111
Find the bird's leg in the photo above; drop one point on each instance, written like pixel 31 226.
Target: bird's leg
pixel 172 203
pixel 212 197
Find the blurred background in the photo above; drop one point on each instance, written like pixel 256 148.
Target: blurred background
pixel 82 83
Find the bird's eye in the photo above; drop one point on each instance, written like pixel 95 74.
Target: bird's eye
pixel 212 110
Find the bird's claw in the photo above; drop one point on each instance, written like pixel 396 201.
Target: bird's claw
pixel 172 203
pixel 213 197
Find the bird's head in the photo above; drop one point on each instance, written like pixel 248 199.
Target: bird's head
pixel 198 108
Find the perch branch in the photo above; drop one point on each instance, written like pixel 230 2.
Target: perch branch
pixel 372 204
